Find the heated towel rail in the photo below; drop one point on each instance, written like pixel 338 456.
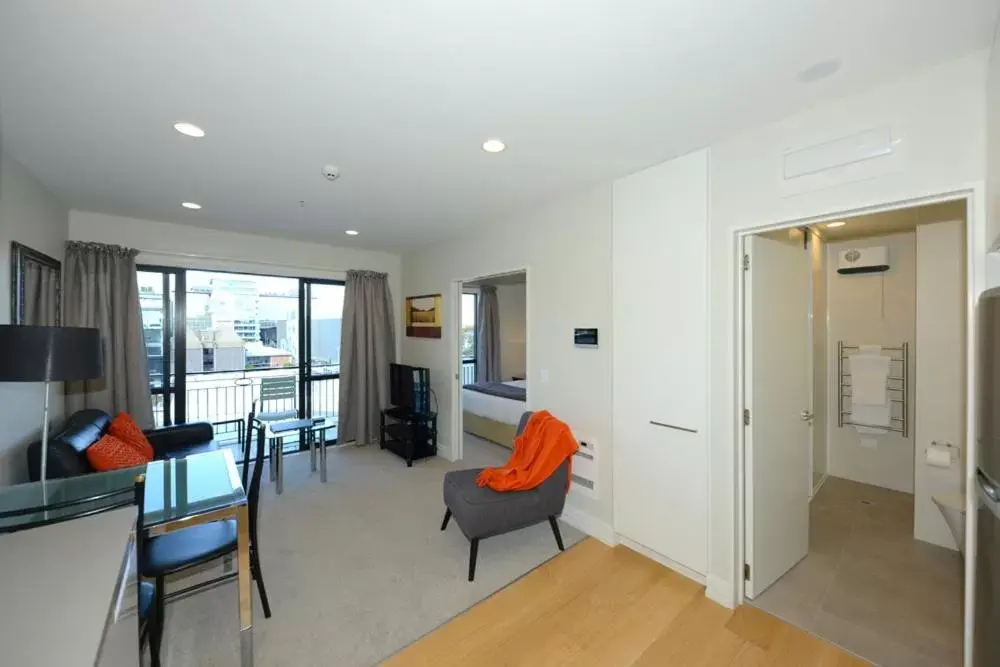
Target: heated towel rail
pixel 897 384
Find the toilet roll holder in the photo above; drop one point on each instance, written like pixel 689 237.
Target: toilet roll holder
pixel 953 450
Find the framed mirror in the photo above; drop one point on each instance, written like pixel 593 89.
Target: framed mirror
pixel 35 287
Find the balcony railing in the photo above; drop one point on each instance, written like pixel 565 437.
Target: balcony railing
pixel 468 371
pixel 225 398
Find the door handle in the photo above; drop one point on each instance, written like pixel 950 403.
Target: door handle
pixel 676 428
pixel 806 415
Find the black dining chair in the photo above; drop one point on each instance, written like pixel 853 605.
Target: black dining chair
pixel 190 547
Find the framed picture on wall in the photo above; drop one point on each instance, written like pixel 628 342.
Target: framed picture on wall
pixel 423 316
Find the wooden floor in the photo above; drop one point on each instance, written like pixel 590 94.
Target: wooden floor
pixel 602 606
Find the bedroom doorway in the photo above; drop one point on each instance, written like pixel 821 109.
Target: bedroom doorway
pixel 492 363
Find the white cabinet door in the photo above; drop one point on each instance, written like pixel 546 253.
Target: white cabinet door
pixel 660 324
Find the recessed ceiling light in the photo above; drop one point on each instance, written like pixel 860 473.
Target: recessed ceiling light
pixel 831 225
pixel 493 146
pixel 351 232
pixel 191 205
pixel 190 129
pixel 820 70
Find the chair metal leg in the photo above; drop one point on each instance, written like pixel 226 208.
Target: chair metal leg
pixel 473 553
pixel 273 459
pixel 447 518
pixel 255 572
pixel 311 439
pixel 157 622
pixel 279 486
pixel 555 531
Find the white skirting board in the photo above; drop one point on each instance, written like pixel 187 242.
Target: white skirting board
pixel 720 590
pixel 446 452
pixel 590 525
pixel 822 481
pixel 663 560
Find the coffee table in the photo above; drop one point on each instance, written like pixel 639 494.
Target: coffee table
pixel 276 432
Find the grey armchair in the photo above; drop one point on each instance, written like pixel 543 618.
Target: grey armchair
pixel 481 512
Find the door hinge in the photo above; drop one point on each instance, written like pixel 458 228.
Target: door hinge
pixel 746 571
pixel 746 417
pixel 746 262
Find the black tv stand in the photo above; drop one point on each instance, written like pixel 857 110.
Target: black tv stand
pixel 411 435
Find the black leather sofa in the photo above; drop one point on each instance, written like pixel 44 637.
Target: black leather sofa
pixel 68 444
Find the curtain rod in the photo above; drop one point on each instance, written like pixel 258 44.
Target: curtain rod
pixel 262 262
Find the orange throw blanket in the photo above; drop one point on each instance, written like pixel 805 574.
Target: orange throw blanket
pixel 538 452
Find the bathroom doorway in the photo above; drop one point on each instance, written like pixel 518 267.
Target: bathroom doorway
pixel 855 382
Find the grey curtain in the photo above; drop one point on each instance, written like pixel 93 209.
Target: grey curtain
pixel 41 295
pixel 101 291
pixel 488 336
pixel 367 347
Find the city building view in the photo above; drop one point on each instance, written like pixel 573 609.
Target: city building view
pixel 239 330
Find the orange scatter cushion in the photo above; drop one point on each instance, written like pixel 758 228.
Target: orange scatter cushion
pixel 111 453
pixel 124 428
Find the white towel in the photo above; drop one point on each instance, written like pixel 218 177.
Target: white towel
pixel 877 416
pixel 869 379
pixel 869 394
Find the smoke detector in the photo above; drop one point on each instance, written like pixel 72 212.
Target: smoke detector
pixel 331 172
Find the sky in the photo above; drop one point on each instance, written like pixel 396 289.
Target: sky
pixel 327 300
pixel 468 310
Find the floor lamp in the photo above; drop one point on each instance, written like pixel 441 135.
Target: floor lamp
pixel 49 354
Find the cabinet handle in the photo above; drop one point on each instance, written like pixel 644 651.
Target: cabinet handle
pixel 676 428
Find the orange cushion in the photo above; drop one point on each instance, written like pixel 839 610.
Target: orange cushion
pixel 124 428
pixel 111 453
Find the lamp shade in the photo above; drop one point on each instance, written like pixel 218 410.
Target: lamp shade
pixel 37 354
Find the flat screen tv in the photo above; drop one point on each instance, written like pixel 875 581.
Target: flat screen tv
pixel 410 387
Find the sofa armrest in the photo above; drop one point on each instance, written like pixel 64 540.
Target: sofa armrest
pixel 171 438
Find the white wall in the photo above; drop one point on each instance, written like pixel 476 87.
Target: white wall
pixel 170 244
pixel 818 264
pixel 566 248
pixel 513 332
pixel 993 144
pixel 31 215
pixel 940 370
pixel 873 309
pixel 941 138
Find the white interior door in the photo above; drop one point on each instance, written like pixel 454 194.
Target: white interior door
pixel 778 394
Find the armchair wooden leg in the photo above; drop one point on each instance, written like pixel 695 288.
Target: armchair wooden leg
pixel 555 531
pixel 447 517
pixel 473 552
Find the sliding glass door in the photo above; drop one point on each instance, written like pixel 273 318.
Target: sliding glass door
pixel 469 336
pixel 215 338
pixel 323 302
pixel 160 291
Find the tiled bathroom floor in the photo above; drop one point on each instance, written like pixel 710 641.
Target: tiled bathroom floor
pixel 868 586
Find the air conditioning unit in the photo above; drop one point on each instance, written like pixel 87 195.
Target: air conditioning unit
pixel 863 260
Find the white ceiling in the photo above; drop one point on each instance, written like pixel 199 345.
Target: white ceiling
pixel 401 93
pixel 517 278
pixel 899 221
pixel 893 222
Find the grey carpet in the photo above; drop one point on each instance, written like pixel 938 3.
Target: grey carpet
pixel 357 568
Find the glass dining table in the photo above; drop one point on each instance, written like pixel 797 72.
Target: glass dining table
pixel 179 493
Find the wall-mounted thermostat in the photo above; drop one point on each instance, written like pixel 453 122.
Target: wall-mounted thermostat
pixel 585 337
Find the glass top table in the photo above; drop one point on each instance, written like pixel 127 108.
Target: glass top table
pixel 179 493
pixel 175 489
pixel 314 431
